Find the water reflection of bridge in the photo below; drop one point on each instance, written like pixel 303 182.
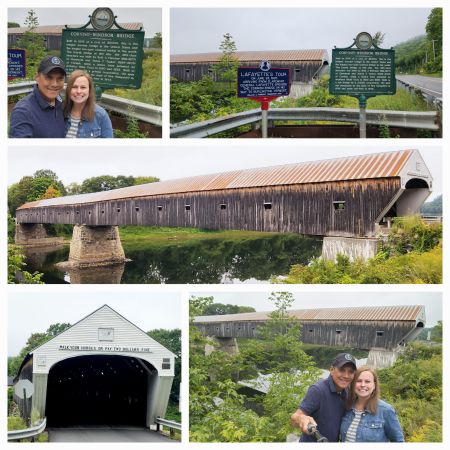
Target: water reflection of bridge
pixel 343 200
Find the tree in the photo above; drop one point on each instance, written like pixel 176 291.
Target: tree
pixel 436 332
pixel 378 38
pixel 33 43
pixel 16 272
pixel 157 39
pixel 218 411
pixel 145 180
pixel 171 339
pixel 106 183
pixel 220 309
pixel 13 25
pixel 226 68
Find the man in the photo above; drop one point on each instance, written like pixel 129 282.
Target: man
pixel 40 113
pixel 324 403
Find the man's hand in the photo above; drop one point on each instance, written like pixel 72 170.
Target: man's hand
pixel 301 420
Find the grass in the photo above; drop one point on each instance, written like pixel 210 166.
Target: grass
pixel 167 235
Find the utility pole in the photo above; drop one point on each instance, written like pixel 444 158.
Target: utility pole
pixel 434 51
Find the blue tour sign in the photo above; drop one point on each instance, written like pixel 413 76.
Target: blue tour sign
pixel 255 82
pixel 16 63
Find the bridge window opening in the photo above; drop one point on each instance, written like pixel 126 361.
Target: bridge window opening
pixel 187 207
pixel 210 71
pixel 159 207
pixel 78 212
pixel 89 212
pixel 338 331
pixel 103 212
pixel 166 363
pixel 118 210
pixel 136 208
pixel 67 212
pixel 380 333
pixel 188 70
pixel 267 205
pixel 311 330
pixel 339 205
pixel 223 206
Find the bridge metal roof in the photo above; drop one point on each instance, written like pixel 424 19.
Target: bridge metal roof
pixel 257 56
pixel 375 165
pixel 348 314
pixel 57 29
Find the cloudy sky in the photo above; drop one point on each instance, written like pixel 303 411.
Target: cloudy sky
pixel 309 300
pixel 200 30
pixel 182 159
pixel 150 17
pixel 34 313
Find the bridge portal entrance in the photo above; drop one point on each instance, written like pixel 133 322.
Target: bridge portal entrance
pixel 98 390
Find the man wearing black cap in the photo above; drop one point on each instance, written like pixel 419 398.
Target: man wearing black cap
pixel 324 403
pixel 40 114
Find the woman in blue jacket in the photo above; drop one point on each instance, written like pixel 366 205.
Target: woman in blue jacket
pixel 83 117
pixel 369 419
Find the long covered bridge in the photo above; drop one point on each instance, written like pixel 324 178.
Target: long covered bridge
pixel 346 200
pixel 381 330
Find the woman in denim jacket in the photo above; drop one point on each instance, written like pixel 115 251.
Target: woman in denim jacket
pixel 84 119
pixel 369 419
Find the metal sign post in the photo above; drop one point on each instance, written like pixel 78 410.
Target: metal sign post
pixel 24 389
pixel 363 72
pixel 263 84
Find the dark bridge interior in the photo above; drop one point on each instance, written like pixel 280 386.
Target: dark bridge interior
pixel 97 390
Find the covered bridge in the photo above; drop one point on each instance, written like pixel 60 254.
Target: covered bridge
pixel 103 370
pixel 383 327
pixel 52 34
pixel 305 65
pixel 340 199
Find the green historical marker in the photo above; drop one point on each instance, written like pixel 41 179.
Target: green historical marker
pixel 113 56
pixel 363 72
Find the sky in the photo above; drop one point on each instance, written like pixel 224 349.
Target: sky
pixel 201 30
pixel 34 313
pixel 76 163
pixel 150 17
pixel 311 300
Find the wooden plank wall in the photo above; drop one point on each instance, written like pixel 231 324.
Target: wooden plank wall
pixel 301 71
pixel 306 209
pixel 358 334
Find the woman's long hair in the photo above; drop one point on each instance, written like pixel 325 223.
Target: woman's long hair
pixel 372 405
pixel 89 107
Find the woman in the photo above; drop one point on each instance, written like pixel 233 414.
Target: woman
pixel 84 119
pixel 369 419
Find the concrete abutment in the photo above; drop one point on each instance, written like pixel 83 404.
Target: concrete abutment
pixel 354 248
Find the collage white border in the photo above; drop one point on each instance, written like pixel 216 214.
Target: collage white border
pixel 219 145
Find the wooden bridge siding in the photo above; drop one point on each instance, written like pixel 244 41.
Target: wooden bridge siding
pixel 198 70
pixel 362 335
pixel 306 209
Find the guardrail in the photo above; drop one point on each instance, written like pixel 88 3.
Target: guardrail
pixel 141 111
pixel 429 95
pixel 431 219
pixel 428 120
pixel 171 424
pixel 17 435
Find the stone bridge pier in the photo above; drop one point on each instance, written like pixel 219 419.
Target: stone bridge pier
pixel 225 344
pixel 94 246
pixel 34 235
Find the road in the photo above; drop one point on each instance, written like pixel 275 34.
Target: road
pixel 429 85
pixel 105 434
